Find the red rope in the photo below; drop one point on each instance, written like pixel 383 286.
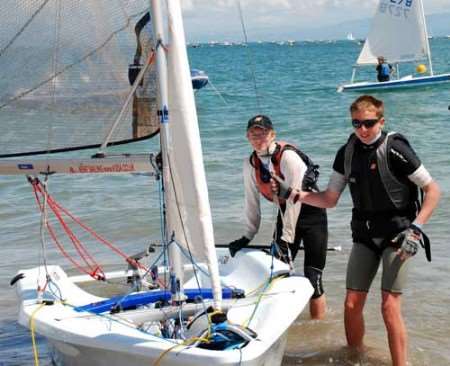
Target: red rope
pixel 82 252
pixel 95 270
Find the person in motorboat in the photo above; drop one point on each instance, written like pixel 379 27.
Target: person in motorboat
pixel 384 174
pixel 296 223
pixel 384 70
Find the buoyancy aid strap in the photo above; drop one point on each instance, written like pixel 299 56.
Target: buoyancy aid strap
pixel 366 227
pixel 252 158
pixel 264 186
pixel 397 191
pixel 348 156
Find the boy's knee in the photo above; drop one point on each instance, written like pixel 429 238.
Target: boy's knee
pixel 354 303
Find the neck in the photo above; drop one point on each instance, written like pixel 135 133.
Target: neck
pixel 267 152
pixel 375 139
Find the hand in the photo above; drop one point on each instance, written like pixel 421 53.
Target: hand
pixel 280 187
pixel 409 241
pixel 282 251
pixel 236 245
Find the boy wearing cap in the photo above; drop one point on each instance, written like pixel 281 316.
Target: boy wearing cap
pixel 296 222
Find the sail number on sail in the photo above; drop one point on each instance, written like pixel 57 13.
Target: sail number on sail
pixel 396 8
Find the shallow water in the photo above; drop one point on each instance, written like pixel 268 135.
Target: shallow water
pixel 296 87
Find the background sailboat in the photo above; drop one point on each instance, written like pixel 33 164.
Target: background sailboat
pixel 253 297
pixel 399 34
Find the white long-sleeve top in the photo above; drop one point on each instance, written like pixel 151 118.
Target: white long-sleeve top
pixel 293 169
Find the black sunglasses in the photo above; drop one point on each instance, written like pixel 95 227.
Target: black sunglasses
pixel 367 123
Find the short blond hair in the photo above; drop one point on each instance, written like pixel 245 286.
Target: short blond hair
pixel 367 102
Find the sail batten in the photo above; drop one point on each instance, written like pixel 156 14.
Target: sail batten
pixel 397 33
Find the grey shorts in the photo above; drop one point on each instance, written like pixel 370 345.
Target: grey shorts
pixel 363 266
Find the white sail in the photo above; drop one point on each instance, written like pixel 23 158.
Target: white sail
pixel 188 204
pixel 398 33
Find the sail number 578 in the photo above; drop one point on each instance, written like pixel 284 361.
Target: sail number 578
pixel 396 8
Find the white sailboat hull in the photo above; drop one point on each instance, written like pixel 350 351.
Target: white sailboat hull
pixel 406 82
pixel 83 338
pixel 64 354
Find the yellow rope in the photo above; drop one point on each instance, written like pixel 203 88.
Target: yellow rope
pixel 268 285
pixel 33 341
pixel 186 343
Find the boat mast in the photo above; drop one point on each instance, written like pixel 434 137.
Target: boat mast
pixel 426 37
pixel 163 112
pixel 189 155
pixel 353 74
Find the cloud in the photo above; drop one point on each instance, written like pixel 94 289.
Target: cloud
pixel 304 7
pixel 211 18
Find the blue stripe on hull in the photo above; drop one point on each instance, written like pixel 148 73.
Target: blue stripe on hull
pixel 394 84
pixel 135 300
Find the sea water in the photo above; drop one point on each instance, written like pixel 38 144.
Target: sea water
pixel 296 87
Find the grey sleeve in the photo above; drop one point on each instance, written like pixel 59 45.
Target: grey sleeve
pixel 293 168
pixel 252 209
pixel 337 182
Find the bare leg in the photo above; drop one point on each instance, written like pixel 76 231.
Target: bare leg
pixel 354 319
pixel 318 307
pixel 396 330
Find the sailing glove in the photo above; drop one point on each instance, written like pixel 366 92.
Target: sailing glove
pixel 409 240
pixel 282 189
pixel 236 245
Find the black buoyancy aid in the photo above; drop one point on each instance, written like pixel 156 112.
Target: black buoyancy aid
pixel 391 204
pixel 394 194
pixel 263 175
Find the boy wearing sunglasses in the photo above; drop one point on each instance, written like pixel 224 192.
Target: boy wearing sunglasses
pixel 296 222
pixel 383 173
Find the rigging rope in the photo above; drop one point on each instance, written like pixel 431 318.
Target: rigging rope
pixel 69 66
pixel 54 64
pixel 250 56
pixel 42 226
pixel 95 269
pixel 22 29
pixel 33 338
pixel 191 258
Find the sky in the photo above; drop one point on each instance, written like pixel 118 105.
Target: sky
pixel 219 19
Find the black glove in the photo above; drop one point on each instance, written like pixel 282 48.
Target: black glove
pixel 283 190
pixel 409 241
pixel 237 245
pixel 282 251
pixel 280 187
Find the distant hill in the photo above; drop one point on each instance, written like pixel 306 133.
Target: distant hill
pixel 438 25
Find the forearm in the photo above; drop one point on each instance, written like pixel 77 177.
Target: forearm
pixel 430 202
pixel 324 199
pixel 329 197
